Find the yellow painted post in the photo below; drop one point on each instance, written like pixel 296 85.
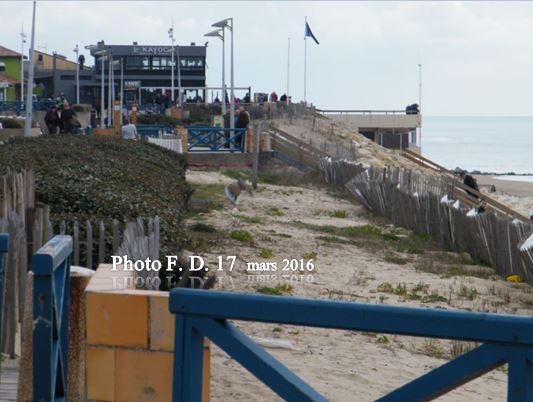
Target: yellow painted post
pixel 184 133
pixel 249 140
pixel 117 117
pixel 133 117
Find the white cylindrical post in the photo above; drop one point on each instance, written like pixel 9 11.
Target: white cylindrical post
pixel 232 95
pixel 172 67
pixel 288 67
pixel 29 96
pixel 420 105
pixel 179 74
pixel 23 40
pixel 76 50
pixel 305 70
pixel 108 115
pixel 223 77
pixel 102 93
pixel 121 85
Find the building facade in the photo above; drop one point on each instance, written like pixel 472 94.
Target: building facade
pixel 146 72
pixel 10 74
pixel 55 76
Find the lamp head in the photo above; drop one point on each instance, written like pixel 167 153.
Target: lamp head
pixel 222 24
pixel 217 33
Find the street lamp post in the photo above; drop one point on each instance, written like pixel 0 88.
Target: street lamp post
pixel 76 50
pixel 99 50
pixel 29 95
pixel 228 23
pixel 219 33
pixel 23 41
pixel 171 36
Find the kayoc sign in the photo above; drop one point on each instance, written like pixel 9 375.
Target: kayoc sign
pixel 152 50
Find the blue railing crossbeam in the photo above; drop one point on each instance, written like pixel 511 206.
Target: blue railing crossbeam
pixel 422 322
pixel 256 360
pixel 450 375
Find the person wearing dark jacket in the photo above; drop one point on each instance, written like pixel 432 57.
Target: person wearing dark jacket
pixel 67 119
pixel 469 181
pixel 243 118
pixel 52 120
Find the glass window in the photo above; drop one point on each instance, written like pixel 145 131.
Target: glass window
pixel 2 66
pixel 156 63
pixel 145 63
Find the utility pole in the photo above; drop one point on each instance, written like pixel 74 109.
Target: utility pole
pixel 420 104
pixel 172 67
pixel 29 96
pixel 23 41
pixel 288 67
pixel 76 50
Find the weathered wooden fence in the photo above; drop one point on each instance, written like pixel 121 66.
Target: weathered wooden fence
pixel 17 193
pixel 172 144
pixel 425 206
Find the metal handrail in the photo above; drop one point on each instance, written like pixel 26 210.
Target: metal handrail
pixel 201 313
pixel 364 112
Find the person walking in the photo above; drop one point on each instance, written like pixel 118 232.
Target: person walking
pixel 52 120
pixel 68 120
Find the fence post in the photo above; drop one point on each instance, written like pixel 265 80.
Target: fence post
pixel 255 157
pixel 51 289
pixel 188 361
pixel 520 383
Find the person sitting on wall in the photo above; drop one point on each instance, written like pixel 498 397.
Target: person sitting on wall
pixel 273 97
pixel 469 181
pixel 283 98
pixel 246 98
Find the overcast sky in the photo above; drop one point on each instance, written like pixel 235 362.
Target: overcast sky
pixel 477 58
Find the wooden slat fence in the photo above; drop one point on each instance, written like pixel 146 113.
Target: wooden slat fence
pixel 415 203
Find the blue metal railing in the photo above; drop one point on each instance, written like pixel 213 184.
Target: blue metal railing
pixel 216 139
pixel 199 313
pixel 51 289
pixel 18 106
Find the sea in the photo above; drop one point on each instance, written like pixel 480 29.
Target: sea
pixel 487 144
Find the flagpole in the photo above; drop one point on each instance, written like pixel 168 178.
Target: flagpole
pixel 288 67
pixel 305 64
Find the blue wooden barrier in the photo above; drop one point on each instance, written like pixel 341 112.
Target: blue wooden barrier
pixel 199 313
pixel 4 248
pixel 216 139
pixel 51 289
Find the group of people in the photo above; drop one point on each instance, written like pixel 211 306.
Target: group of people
pixel 61 119
pixel 242 118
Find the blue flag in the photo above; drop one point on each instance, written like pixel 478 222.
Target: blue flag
pixel 309 33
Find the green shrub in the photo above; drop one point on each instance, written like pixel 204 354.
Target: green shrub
pixel 266 253
pixel 339 214
pixel 203 227
pixel 242 235
pixel 278 290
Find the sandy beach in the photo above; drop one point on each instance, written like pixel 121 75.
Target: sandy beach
pixel 516 194
pixel 346 366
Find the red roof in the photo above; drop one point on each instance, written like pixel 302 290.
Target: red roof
pixel 6 79
pixel 5 52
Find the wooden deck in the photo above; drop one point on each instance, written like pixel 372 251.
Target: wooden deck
pixel 9 381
